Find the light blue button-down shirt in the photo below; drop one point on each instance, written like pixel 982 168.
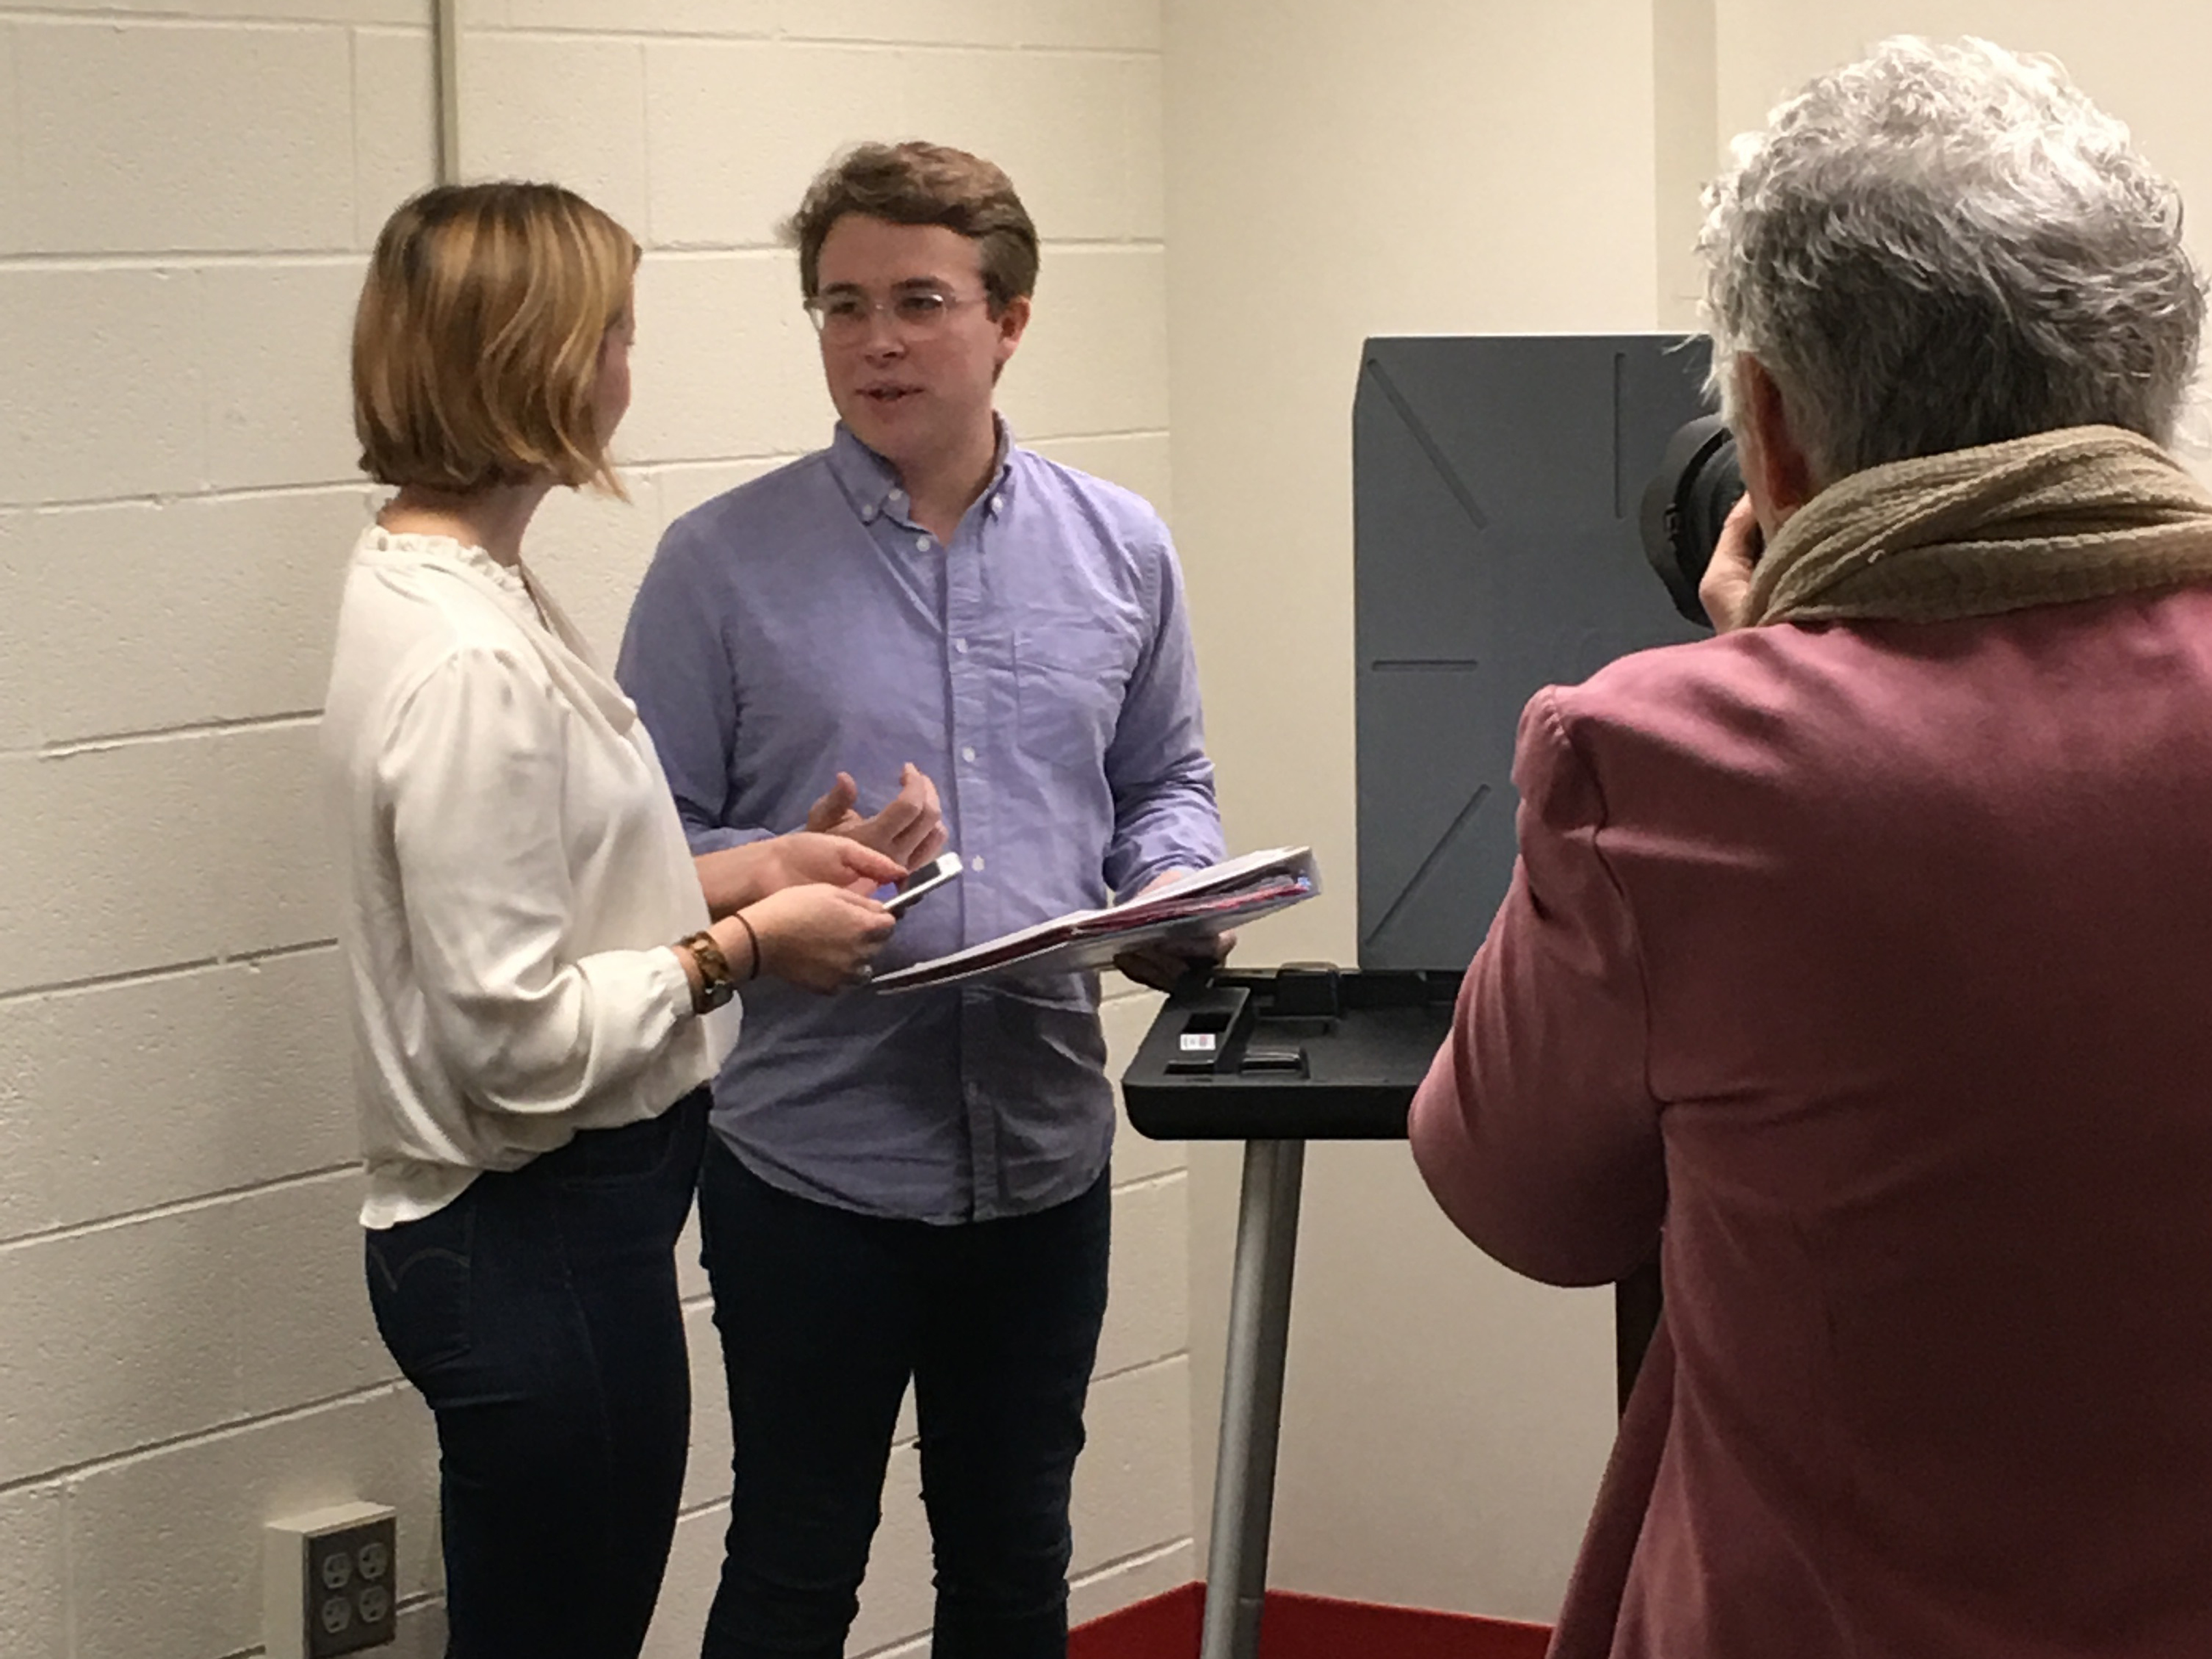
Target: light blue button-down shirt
pixel 1039 668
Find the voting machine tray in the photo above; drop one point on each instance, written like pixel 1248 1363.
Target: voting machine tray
pixel 1304 1052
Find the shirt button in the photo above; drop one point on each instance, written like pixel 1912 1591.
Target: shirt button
pixel 896 498
pixel 968 753
pixel 923 544
pixel 868 515
pixel 978 861
pixel 961 646
pixel 997 503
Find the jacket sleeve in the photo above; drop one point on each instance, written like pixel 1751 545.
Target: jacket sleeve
pixel 471 774
pixel 1536 1129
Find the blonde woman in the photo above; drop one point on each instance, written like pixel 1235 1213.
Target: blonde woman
pixel 541 973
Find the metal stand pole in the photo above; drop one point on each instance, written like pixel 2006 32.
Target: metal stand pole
pixel 1252 1397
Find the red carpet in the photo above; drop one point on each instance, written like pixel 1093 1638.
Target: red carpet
pixel 1308 1627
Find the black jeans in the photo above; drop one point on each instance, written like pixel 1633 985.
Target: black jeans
pixel 824 1314
pixel 538 1313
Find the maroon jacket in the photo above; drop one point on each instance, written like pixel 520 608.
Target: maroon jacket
pixel 1875 963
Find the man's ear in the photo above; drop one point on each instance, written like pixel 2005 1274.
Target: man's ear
pixel 1777 473
pixel 1013 318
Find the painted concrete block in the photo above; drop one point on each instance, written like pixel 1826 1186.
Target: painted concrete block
pixel 102 394
pixel 224 609
pixel 395 123
pixel 887 23
pixel 1095 357
pixel 20 684
pixel 1134 26
pixel 123 1336
pixel 725 365
pixel 243 865
pixel 166 1548
pixel 1148 1302
pixel 736 131
pixel 1118 25
pixel 33 1573
pixel 303 11
pixel 1138 461
pixel 1142 93
pixel 1123 1584
pixel 1133 1483
pixel 682 487
pixel 695 17
pixel 135 140
pixel 1057 121
pixel 11 150
pixel 592 551
pixel 203 1083
pixel 694 1566
pixel 276 342
pixel 422 1633
pixel 569 108
pixel 690 1275
pixel 706 1476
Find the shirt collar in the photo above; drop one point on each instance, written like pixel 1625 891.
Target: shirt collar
pixel 871 483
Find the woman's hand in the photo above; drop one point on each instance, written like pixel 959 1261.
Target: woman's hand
pixel 739 876
pixel 818 936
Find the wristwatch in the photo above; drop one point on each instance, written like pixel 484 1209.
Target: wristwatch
pixel 717 984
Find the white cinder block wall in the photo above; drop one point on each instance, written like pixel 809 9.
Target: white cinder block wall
pixel 187 188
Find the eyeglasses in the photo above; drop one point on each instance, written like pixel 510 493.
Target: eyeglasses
pixel 846 317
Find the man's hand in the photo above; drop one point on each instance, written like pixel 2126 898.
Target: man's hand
pixel 909 828
pixel 739 876
pixel 1725 589
pixel 1162 963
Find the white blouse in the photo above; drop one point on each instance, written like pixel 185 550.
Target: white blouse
pixel 512 871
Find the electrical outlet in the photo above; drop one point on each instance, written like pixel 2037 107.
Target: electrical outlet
pixel 328 1582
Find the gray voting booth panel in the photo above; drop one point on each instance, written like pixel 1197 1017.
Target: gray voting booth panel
pixel 1495 486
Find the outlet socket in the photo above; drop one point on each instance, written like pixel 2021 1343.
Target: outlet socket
pixel 329 1582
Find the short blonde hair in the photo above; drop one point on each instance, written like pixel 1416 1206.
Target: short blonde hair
pixel 476 344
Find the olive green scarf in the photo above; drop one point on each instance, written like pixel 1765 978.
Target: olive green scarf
pixel 2087 513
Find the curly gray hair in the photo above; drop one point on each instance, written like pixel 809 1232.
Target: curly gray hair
pixel 1945 245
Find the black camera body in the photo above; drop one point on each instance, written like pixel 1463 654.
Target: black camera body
pixel 1686 504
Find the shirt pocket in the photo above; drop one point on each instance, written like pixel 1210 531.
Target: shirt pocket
pixel 1069 681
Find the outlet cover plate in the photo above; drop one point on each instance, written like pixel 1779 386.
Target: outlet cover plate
pixel 331 1584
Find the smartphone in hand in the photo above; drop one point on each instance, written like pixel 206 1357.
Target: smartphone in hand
pixel 923 879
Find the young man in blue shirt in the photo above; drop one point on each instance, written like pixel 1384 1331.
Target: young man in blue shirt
pixel 916 1186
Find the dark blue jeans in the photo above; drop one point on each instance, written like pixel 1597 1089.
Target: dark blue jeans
pixel 538 1313
pixel 824 1316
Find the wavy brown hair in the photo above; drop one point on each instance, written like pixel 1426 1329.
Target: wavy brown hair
pixel 918 183
pixel 477 344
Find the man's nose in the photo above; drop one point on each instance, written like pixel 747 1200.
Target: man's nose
pixel 883 338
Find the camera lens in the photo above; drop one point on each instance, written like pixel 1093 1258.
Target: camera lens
pixel 1685 505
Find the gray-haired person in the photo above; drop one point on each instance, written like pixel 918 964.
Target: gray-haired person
pixel 1854 960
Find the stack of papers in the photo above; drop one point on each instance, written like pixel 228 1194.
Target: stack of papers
pixel 1203 902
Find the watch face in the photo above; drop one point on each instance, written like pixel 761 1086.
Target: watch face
pixel 720 993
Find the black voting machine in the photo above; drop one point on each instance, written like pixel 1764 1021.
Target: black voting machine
pixel 1497 484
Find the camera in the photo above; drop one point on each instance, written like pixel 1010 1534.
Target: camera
pixel 1685 505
